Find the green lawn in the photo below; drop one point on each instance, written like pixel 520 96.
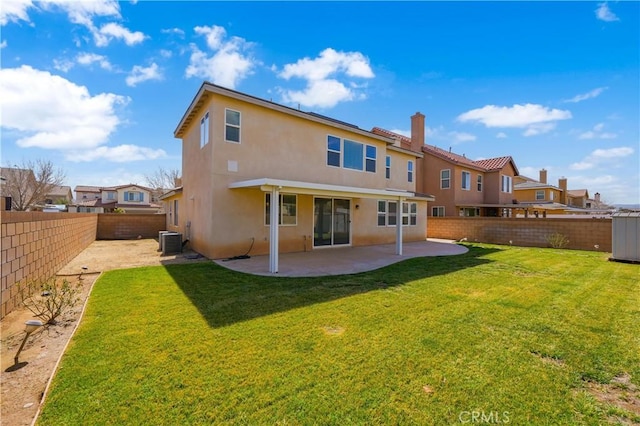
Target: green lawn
pixel 514 333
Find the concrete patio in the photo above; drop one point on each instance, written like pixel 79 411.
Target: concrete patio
pixel 342 260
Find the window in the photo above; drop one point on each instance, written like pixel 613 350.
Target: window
pixel 133 196
pixel 288 209
pixel 551 195
pixel 333 151
pixel 175 212
pixel 370 160
pixel 445 179
pixel 466 181
pixel 479 183
pixel 111 195
pixel 469 211
pixel 540 194
pixel 506 184
pixel 388 213
pixel 353 155
pixel 387 170
pixel 410 171
pixel 204 130
pixel 232 125
pixel 437 211
pixel 382 213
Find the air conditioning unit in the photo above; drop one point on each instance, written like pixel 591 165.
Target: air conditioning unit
pixel 160 233
pixel 171 243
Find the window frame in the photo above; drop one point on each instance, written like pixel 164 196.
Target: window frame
pixel 479 183
pixel 368 159
pixel 351 144
pixel 540 194
pixel 465 181
pixel 369 163
pixel 175 212
pixel 281 197
pixel 408 213
pixel 509 184
pixel 447 179
pixel 204 130
pixel 331 150
pixel 435 209
pixel 231 125
pixel 387 167
pixel 410 171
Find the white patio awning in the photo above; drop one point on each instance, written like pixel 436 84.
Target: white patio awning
pixel 277 186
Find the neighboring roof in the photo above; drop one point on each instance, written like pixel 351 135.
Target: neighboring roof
pixel 171 193
pixel 60 190
pixel 488 165
pixel 86 188
pixel 128 185
pixel 534 185
pixel 207 89
pixel 577 193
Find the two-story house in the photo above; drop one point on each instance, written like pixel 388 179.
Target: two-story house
pixel 461 186
pixel 130 198
pixel 267 178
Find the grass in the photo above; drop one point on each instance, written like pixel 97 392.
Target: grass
pixel 512 333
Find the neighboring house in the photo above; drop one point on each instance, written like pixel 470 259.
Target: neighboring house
pixel 461 186
pixel 263 178
pixel 577 198
pixel 131 198
pixel 59 195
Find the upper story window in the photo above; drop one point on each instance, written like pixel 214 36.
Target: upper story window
pixel 351 155
pixel 466 181
pixel 231 125
pixel 409 171
pixel 551 195
pixel 445 179
pixel 479 182
pixel 133 196
pixel 506 184
pixel 111 195
pixel 370 160
pixel 204 130
pixel 387 169
pixel 175 212
pixel 540 194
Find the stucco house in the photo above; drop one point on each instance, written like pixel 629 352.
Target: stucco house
pixel 461 186
pixel 131 198
pixel 264 178
pixel 59 195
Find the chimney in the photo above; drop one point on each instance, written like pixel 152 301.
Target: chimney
pixel 543 176
pixel 596 198
pixel 562 184
pixel 177 182
pixel 417 132
pixel 397 141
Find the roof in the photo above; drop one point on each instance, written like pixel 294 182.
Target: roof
pixel 207 89
pixel 86 188
pixel 577 193
pixel 534 185
pixel 171 193
pixel 60 190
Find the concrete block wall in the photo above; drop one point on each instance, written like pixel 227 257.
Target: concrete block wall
pixel 119 226
pixel 583 234
pixel 36 245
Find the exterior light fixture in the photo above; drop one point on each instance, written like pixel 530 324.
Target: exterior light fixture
pixel 30 327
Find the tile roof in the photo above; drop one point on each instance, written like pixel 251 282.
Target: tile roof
pixel 86 188
pixel 488 165
pixel 577 193
pixel 533 184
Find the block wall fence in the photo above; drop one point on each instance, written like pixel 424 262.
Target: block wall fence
pixel 583 234
pixel 36 245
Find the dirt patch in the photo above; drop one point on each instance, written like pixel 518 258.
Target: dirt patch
pixel 620 393
pixel 22 389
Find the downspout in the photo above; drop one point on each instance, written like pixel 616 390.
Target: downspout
pixel 273 229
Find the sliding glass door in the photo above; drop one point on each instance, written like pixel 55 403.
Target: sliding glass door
pixel 331 222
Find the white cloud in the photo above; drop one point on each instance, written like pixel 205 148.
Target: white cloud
pixel 501 135
pixel 603 13
pixel 177 31
pixel 459 137
pixel 91 58
pixel 14 11
pixel 322 86
pixel 589 95
pixel 3 44
pixel 63 65
pixel 54 113
pixel 228 65
pixel 597 133
pixel 112 31
pixel 534 118
pixel 166 53
pixel 599 156
pixel 83 12
pixel 139 74
pixel 117 154
pixel 406 133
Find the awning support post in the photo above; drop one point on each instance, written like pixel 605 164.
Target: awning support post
pixel 399 227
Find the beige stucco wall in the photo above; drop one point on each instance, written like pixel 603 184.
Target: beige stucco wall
pixel 224 222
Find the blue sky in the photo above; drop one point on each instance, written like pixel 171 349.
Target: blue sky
pixel 98 87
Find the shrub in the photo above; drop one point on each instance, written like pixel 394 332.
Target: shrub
pixel 49 298
pixel 557 240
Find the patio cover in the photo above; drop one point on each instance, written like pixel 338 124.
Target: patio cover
pixel 276 186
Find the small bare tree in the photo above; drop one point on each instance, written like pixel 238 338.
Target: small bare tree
pixel 162 178
pixel 29 183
